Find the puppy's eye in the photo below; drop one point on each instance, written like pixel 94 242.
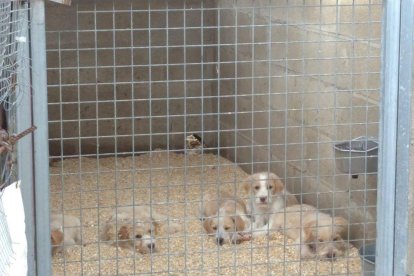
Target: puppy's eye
pixel 214 227
pixel 256 187
pixel 321 240
pixel 336 239
pixel 138 236
pixel 226 228
pixel 269 187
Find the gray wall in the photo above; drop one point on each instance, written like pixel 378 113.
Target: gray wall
pixel 321 86
pixel 101 87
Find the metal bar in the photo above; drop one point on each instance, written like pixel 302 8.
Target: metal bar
pixel 41 147
pixel 403 137
pixel 25 153
pixel 388 138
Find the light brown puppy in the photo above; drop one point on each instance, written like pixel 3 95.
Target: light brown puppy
pixel 315 233
pixel 65 230
pixel 225 217
pixel 135 228
pixel 267 195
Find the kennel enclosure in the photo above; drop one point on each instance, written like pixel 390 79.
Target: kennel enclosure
pixel 267 86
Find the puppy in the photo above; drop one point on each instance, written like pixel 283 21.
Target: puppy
pixel 316 234
pixel 267 195
pixel 65 231
pixel 225 217
pixel 135 228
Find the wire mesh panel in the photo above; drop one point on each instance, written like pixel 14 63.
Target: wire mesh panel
pixel 162 114
pixel 13 26
pixel 12 84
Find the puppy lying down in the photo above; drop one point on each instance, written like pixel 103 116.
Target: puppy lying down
pixel 135 227
pixel 316 234
pixel 225 217
pixel 65 231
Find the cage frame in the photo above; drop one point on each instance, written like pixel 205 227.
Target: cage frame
pixel 395 128
pixel 393 158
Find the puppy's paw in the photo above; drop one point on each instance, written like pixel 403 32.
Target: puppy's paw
pixel 245 237
pixel 241 237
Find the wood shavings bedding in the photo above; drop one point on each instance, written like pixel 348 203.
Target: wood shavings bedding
pixel 173 183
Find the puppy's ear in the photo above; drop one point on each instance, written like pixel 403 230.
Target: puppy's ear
pixel 309 230
pixel 276 182
pixel 123 233
pixel 247 184
pixel 239 223
pixel 207 225
pixel 157 227
pixel 341 226
pixel 56 237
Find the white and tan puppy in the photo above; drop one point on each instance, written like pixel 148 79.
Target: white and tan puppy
pixel 65 230
pixel 267 195
pixel 225 217
pixel 135 228
pixel 316 234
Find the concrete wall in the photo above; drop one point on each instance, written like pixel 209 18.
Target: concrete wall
pixel 289 101
pixel 102 89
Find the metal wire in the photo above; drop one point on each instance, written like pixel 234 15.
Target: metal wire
pixel 267 85
pixel 13 26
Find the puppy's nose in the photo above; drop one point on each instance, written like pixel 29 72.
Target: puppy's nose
pixel 220 241
pixel 331 255
pixel 151 246
pixel 263 199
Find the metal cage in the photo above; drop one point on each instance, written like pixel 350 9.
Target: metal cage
pixel 168 104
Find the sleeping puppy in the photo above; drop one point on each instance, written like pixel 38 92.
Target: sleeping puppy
pixel 135 228
pixel 267 195
pixel 316 234
pixel 225 217
pixel 65 230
